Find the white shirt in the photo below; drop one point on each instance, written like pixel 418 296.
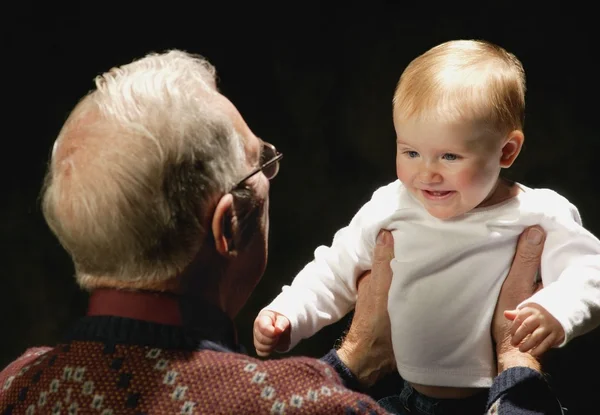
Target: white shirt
pixel 447 278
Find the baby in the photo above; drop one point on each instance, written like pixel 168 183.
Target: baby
pixel 458 112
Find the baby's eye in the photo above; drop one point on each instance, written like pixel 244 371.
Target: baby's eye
pixel 450 157
pixel 412 154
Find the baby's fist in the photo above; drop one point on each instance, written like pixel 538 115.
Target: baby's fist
pixel 271 332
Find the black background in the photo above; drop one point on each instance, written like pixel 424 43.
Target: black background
pixel 318 84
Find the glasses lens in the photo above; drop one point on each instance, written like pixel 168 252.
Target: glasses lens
pixel 271 168
pixel 267 160
pixel 267 154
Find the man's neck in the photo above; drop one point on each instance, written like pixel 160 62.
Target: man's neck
pixel 151 306
pixel 154 315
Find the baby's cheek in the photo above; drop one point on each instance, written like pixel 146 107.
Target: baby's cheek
pixel 469 176
pixel 479 183
pixel 400 171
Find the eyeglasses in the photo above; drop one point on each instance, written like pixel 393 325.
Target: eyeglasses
pixel 269 164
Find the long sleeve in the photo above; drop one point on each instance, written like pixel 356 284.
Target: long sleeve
pixel 522 391
pixel 347 377
pixel 516 391
pixel 570 271
pixel 325 289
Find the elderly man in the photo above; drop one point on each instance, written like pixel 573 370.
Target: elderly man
pixel 158 190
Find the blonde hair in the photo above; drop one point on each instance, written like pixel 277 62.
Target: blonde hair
pixel 138 167
pixel 463 81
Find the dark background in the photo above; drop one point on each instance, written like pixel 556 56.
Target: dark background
pixel 316 83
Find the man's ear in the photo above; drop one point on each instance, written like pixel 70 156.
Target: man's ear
pixel 511 148
pixel 222 225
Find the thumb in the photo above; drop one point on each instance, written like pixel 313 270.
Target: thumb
pixel 281 324
pixel 265 322
pixel 510 314
pixel 384 248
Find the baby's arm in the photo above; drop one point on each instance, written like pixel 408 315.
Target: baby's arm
pixel 325 290
pixel 569 303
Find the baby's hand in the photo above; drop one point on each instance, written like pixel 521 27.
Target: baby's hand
pixel 271 332
pixel 535 321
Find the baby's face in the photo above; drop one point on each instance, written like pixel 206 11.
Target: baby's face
pixel 449 168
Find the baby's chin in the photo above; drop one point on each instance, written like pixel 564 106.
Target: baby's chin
pixel 446 214
pixel 452 210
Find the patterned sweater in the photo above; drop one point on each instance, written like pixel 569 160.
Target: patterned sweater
pixel 114 365
pixel 122 365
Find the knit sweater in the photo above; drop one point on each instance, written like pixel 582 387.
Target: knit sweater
pixel 113 365
pixel 117 365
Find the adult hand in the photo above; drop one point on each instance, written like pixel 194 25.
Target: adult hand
pixel 367 347
pixel 519 285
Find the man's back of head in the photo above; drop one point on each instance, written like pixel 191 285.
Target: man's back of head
pixel 137 168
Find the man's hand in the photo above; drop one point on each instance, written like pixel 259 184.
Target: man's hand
pixel 519 285
pixel 367 348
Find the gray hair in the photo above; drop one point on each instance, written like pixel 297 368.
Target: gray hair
pixel 138 168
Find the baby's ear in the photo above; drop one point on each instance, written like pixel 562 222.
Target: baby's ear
pixel 511 148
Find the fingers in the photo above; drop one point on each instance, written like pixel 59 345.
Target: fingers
pixel 281 324
pixel 266 335
pixel 534 340
pixel 539 342
pixel 545 345
pixel 269 330
pixel 511 314
pixel 262 351
pixel 524 327
pixel 534 330
pixel 265 324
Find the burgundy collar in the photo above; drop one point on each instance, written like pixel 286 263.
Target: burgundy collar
pixel 156 307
